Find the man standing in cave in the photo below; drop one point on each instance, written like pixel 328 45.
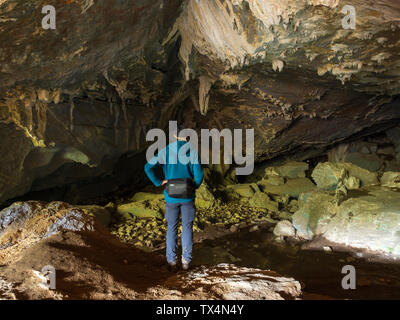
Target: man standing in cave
pixel 183 174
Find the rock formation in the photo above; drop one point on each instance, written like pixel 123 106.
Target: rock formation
pixel 76 99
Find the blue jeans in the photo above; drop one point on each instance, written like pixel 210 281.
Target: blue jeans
pixel 187 211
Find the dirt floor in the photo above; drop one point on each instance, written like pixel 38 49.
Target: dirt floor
pixel 96 265
pixel 90 265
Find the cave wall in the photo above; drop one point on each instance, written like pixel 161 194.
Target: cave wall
pixel 74 100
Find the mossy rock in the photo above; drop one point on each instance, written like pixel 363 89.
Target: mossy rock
pixel 274 180
pixel 102 214
pixel 246 190
pixel 370 162
pixel 291 169
pixel 369 220
pixel 262 200
pixel 204 198
pixel 142 209
pixel 292 187
pixel 142 196
pixel 391 179
pixel 328 175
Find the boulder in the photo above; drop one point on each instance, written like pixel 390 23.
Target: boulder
pixel 246 190
pixel 141 196
pixel 262 200
pixel 274 180
pixel 284 229
pixel 369 220
pixel 292 187
pixel 367 178
pixel 231 282
pixel 204 198
pixel 391 179
pixel 142 209
pixel 370 162
pixel 328 175
pixel 291 169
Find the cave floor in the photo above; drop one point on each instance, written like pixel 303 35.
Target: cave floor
pixel 95 265
pixel 318 271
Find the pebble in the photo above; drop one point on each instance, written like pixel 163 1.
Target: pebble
pixel 327 249
pixel 254 228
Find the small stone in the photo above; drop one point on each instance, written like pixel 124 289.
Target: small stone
pixel 285 229
pixel 234 228
pixel 254 228
pixel 391 179
pixel 262 200
pixel 327 249
pixel 352 183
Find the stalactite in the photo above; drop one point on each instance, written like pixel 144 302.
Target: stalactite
pixel 71 113
pixel 110 103
pixel 123 106
pixel 204 93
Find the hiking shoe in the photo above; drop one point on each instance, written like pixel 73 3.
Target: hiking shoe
pixel 185 264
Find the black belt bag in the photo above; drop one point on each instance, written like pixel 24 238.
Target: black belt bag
pixel 180 188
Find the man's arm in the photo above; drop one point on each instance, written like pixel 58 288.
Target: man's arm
pixel 197 171
pixel 150 167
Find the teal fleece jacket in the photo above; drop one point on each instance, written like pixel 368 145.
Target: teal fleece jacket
pixel 175 169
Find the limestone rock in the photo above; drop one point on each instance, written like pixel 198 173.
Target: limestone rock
pixel 274 180
pixel 391 179
pixel 352 183
pixel 25 223
pixel 89 104
pixel 284 229
pixel 369 220
pixel 291 169
pixel 292 187
pixel 142 209
pixel 329 175
pixel 370 162
pixel 204 198
pixel 141 196
pixel 262 200
pixel 244 190
pixel 239 283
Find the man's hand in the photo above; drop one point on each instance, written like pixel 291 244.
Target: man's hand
pixel 164 182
